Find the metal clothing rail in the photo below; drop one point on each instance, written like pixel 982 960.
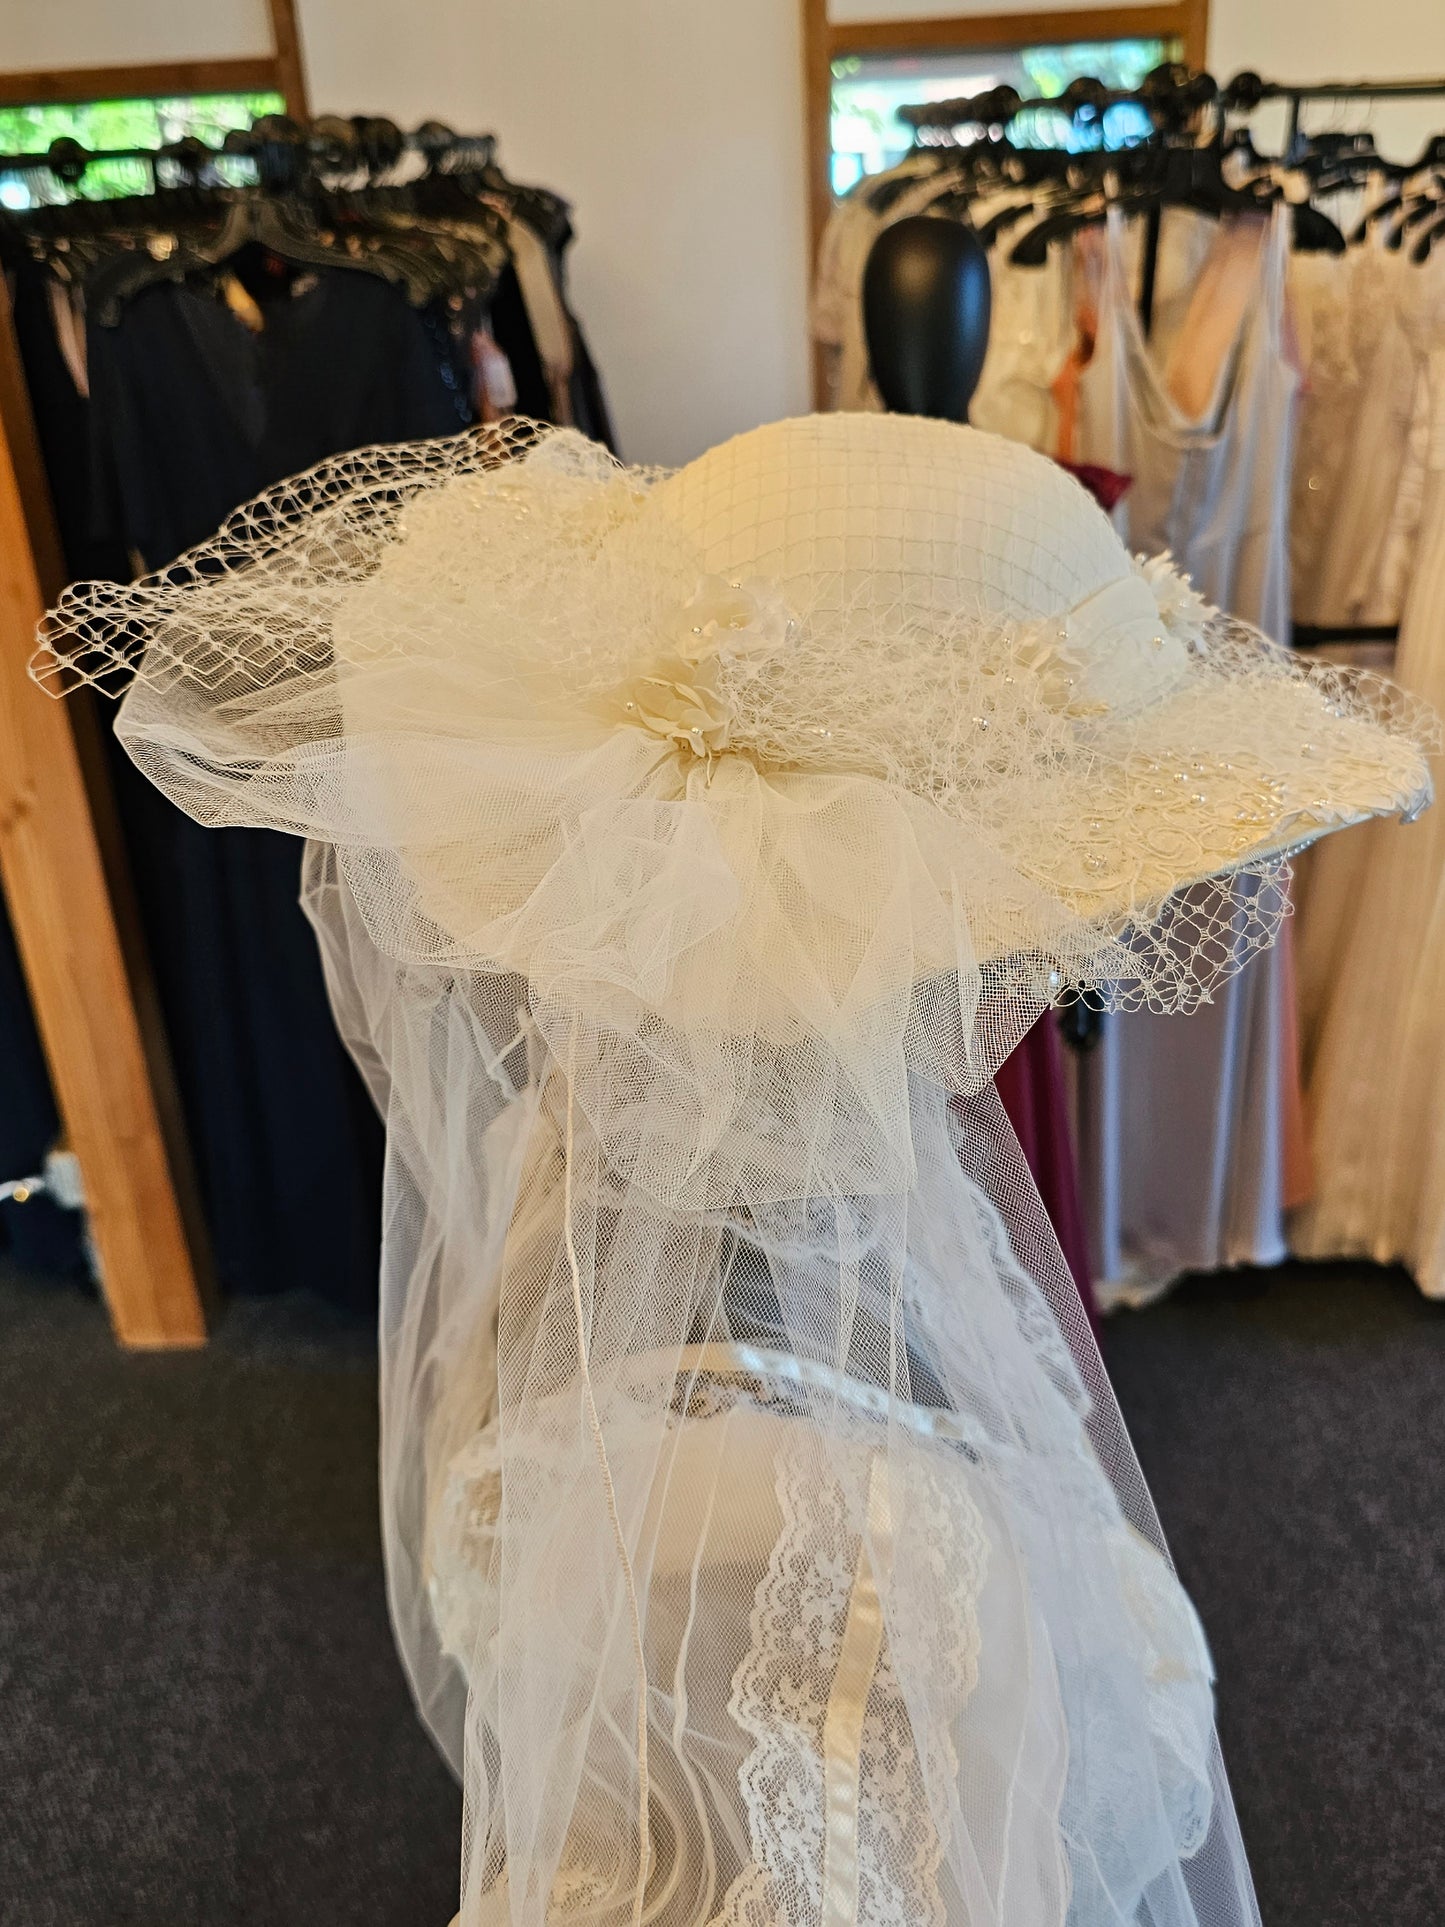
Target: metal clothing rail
pixel 1247 90
pixel 280 148
pixel 1170 94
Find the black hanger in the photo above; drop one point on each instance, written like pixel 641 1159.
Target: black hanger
pixel 1006 218
pixel 1416 210
pixel 1432 158
pixel 1150 179
pixel 1313 232
pixel 1420 253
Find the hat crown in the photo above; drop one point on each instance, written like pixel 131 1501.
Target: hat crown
pixel 927 518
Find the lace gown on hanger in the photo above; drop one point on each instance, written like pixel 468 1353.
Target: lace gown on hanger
pixel 1349 546
pixel 1374 1090
pixel 1323 300
pixel 1355 520
pixel 1031 334
pixel 1183 1138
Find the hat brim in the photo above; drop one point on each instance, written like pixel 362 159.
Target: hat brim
pixel 1226 775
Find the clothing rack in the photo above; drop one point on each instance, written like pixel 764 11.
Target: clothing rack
pixel 61 865
pixel 1247 91
pixel 1170 94
pixel 1190 107
pixel 283 151
pixel 396 205
pixel 1172 97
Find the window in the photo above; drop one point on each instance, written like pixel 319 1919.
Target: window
pixel 101 124
pixel 868 90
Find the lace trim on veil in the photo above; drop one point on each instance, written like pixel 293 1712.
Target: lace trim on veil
pixel 781 1695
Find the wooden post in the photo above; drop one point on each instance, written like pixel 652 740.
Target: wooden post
pixel 290 65
pixel 1195 34
pixel 111 1095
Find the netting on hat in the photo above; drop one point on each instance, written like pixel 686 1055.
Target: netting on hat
pixel 686 852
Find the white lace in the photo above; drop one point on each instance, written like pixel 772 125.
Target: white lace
pixel 780 1696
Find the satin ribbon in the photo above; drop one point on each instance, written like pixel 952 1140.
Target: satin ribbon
pixel 848 1707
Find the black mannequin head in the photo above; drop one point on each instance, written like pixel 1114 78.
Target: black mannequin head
pixel 926 302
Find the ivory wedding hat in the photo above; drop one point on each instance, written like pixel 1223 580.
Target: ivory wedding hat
pixel 933 612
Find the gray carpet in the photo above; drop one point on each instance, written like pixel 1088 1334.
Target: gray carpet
pixel 202 1719
pixel 1294 1443
pixel 202 1722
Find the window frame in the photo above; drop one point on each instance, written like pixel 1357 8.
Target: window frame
pixel 825 41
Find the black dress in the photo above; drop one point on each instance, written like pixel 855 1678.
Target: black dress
pixel 39 1236
pixel 191 413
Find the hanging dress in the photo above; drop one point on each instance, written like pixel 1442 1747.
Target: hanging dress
pixel 1366 520
pixel 1359 487
pixel 1186 1145
pixel 1184 240
pixel 190 412
pixel 1375 1079
pixel 1031 332
pixel 1322 307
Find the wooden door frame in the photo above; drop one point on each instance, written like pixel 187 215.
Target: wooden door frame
pixel 825 41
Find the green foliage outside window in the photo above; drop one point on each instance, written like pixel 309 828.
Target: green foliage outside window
pixel 869 89
pixel 100 124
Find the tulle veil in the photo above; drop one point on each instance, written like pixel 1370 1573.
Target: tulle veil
pixel 763 1540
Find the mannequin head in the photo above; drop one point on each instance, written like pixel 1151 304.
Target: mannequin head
pixel 926 303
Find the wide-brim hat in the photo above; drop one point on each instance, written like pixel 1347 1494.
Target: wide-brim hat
pixel 910 646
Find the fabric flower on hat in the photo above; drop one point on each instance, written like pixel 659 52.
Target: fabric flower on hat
pixel 681 702
pixel 679 696
pixel 1046 650
pixel 744 621
pixel 1183 611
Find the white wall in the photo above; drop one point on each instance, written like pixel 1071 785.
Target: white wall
pixel 675 127
pixel 38 34
pixel 1327 39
